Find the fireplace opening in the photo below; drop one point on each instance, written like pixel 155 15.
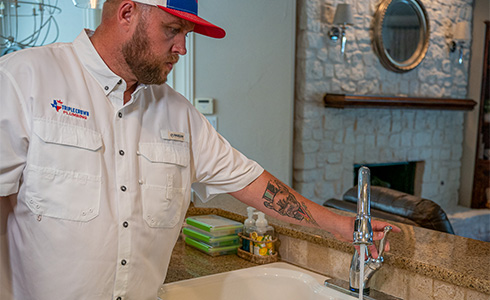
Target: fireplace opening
pixel 401 176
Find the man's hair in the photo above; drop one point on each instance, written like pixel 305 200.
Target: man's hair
pixel 110 7
pixel 112 1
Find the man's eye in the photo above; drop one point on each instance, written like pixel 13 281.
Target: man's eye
pixel 173 30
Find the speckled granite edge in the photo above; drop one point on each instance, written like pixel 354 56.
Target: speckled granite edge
pixel 471 272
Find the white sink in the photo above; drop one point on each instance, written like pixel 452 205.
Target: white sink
pixel 276 281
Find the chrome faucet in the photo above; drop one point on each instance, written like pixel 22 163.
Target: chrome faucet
pixel 363 235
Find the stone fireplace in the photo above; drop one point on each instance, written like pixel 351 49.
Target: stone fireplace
pixel 330 141
pixel 341 139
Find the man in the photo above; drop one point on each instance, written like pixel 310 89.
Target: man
pixel 98 156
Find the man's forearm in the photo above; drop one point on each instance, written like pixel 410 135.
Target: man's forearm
pixel 277 200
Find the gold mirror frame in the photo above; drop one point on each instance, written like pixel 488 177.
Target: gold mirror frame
pixel 423 44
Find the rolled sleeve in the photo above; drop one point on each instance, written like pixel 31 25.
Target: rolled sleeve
pixel 220 168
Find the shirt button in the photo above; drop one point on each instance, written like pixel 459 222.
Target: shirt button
pixel 120 81
pixel 121 152
pixel 123 262
pixel 123 188
pixel 118 298
pixel 125 224
pixel 106 88
pixel 119 115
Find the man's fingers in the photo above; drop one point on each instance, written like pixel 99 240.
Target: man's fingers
pixel 373 250
pixel 378 235
pixel 387 246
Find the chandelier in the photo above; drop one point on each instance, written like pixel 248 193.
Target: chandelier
pixel 35 14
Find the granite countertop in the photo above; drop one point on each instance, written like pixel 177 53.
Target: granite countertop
pixel 187 263
pixel 457 260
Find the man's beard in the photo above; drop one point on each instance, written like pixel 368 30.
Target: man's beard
pixel 138 56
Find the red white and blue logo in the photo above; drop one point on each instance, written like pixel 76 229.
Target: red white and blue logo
pixel 68 110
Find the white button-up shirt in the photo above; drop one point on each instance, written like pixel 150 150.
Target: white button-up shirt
pixel 102 188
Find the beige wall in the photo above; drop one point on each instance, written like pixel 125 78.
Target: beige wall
pixel 250 74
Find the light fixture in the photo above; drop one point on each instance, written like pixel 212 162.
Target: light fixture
pixel 27 24
pixel 91 4
pixel 460 36
pixel 342 18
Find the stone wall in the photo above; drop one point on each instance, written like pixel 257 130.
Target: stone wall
pixel 328 142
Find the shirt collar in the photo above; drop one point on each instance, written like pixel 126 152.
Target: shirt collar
pixel 94 63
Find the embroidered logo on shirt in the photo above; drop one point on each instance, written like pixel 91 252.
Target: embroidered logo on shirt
pixel 176 136
pixel 70 111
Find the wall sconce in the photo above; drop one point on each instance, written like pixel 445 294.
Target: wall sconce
pixel 342 18
pixel 460 36
pixel 91 4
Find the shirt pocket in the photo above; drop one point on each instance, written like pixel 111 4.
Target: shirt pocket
pixel 63 176
pixel 162 206
pixel 164 169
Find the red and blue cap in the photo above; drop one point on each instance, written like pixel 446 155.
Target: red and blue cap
pixel 187 10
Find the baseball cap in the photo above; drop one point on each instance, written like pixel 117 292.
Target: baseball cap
pixel 187 10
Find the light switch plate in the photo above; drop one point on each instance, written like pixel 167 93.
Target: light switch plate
pixel 204 105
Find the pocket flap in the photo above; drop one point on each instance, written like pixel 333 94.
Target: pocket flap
pixel 67 134
pixel 168 152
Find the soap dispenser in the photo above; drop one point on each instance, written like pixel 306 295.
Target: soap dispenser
pixel 248 228
pixel 263 236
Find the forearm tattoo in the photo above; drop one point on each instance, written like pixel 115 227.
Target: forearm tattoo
pixel 278 198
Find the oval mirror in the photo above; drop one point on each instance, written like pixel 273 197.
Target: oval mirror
pixel 401 34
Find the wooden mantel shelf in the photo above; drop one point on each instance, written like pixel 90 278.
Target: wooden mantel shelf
pixel 363 101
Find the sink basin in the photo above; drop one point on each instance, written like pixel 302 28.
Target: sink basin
pixel 276 281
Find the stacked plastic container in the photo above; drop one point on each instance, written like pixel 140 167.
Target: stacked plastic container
pixel 212 234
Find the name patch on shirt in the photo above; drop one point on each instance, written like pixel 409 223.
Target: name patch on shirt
pixel 59 106
pixel 176 136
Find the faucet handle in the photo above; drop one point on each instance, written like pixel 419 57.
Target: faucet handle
pixel 383 241
pixel 372 264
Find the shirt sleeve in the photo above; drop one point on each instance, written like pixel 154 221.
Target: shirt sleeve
pixel 219 168
pixel 14 137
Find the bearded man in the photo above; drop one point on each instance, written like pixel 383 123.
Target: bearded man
pixel 98 157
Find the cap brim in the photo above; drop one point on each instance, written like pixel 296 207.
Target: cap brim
pixel 201 26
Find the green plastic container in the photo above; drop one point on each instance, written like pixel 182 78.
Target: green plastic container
pixel 220 241
pixel 213 251
pixel 214 225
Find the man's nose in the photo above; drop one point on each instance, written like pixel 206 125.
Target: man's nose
pixel 179 46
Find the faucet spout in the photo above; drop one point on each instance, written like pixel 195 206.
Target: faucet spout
pixel 363 232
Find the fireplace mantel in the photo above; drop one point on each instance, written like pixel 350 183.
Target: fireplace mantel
pixel 365 101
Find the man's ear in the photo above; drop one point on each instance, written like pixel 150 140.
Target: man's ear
pixel 126 13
